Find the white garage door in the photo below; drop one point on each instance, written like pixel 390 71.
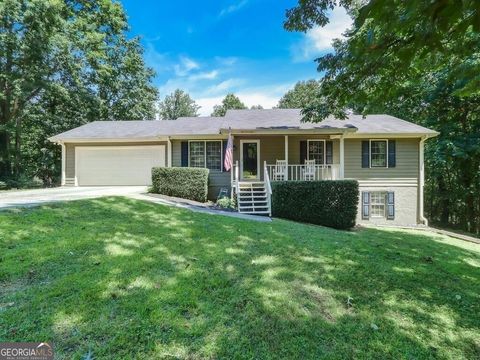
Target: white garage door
pixel 117 165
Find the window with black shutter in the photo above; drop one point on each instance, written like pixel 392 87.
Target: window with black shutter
pixel 390 205
pixel 365 205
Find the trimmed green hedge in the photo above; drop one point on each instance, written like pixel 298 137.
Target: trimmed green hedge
pixel 182 182
pixel 327 203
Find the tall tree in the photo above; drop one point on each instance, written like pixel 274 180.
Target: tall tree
pixel 56 54
pixel 230 102
pixel 417 60
pixel 303 94
pixel 178 104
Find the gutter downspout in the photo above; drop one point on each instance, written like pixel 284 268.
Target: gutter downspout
pixel 422 180
pixel 342 157
pixel 169 152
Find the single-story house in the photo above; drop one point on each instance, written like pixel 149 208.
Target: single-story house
pixel 383 153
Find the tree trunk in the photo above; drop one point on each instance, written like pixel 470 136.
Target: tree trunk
pixel 5 164
pixel 444 202
pixel 466 171
pixel 18 145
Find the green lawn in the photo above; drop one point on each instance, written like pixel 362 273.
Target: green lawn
pixel 119 278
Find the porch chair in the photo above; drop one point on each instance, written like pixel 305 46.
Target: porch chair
pixel 280 171
pixel 309 170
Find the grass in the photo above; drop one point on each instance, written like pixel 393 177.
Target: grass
pixel 120 278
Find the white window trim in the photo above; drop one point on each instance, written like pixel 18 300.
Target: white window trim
pixel 384 194
pixel 247 141
pixel 324 149
pixel 370 154
pixel 205 155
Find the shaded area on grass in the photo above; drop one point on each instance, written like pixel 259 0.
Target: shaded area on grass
pixel 131 279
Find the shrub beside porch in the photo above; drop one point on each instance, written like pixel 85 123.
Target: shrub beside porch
pixel 183 182
pixel 330 203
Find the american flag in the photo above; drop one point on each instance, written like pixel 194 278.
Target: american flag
pixel 228 162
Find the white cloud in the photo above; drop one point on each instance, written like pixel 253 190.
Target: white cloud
pixel 210 75
pixel 233 7
pixel 185 66
pixel 155 59
pixel 319 39
pixel 267 96
pixel 225 86
pixel 209 83
pixel 207 104
pixel 226 61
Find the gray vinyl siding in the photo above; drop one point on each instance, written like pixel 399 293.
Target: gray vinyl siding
pixel 216 179
pixel 69 161
pixel 294 148
pixel 70 152
pixel 176 153
pixel 407 164
pixel 271 149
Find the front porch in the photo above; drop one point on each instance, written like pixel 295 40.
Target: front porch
pixel 260 160
pixel 287 158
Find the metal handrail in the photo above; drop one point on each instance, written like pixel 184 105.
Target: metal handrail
pixel 266 179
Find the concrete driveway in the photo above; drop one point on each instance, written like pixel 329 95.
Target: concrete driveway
pixel 10 199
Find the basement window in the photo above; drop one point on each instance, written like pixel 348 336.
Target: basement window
pixel 377 204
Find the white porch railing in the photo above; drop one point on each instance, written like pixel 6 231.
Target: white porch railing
pixel 303 172
pixel 292 172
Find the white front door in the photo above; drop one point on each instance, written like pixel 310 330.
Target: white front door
pixel 250 159
pixel 117 165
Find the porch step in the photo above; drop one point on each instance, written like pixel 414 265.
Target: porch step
pixel 252 198
pixel 69 182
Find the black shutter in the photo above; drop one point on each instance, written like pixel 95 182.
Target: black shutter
pixel 390 205
pixel 329 151
pixel 365 205
pixel 365 154
pixel 224 147
pixel 392 153
pixel 184 153
pixel 303 152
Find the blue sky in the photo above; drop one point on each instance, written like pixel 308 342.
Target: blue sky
pixel 213 47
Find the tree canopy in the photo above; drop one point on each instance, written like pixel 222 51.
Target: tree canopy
pixel 419 60
pixel 177 104
pixel 64 63
pixel 303 94
pixel 230 102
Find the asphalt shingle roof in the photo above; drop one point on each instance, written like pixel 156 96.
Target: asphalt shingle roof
pixel 272 119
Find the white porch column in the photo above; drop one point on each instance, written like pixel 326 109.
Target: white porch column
pixel 286 149
pixel 232 169
pixel 286 155
pixel 63 163
pixel 169 152
pixel 342 157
